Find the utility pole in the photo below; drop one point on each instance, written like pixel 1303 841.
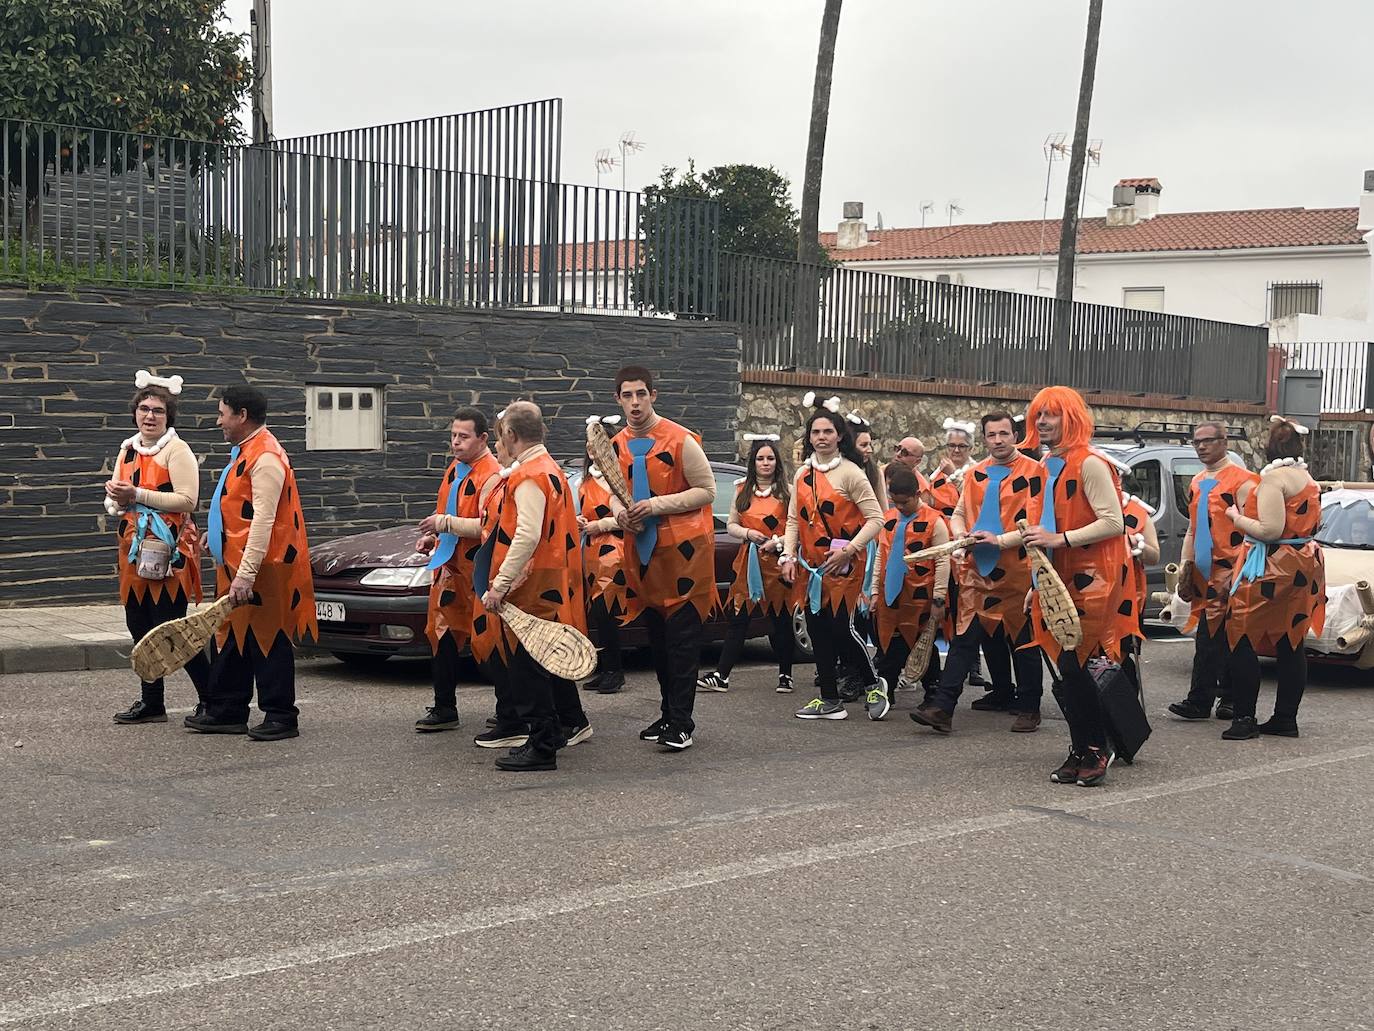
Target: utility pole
pixel 1068 230
pixel 260 23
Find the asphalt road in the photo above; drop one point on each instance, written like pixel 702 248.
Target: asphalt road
pixel 780 874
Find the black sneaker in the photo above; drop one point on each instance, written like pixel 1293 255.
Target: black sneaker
pixel 273 730
pixel 975 679
pixel 437 719
pixel 784 683
pixel 200 711
pixel 142 712
pixel 1242 728
pixel 1092 770
pixel 203 724
pixel 611 683
pixel 1279 726
pixel 501 737
pixel 1186 710
pixel 1225 711
pixel 576 735
pixel 992 702
pixel 593 684
pixel 1068 771
pixel 526 759
pixel 675 739
pixel 850 690
pixel 713 682
pixel 654 730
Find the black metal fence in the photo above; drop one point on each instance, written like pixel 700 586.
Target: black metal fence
pixel 846 321
pixel 1347 368
pixel 93 205
pixel 518 141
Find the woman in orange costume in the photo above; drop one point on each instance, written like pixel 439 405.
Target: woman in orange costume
pixel 1279 593
pixel 529 559
pixel 757 519
pixel 603 559
pixel 832 516
pixel 154 490
pixel 256 532
pixel 1077 519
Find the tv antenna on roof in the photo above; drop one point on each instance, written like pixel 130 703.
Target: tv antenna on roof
pixel 954 208
pixel 628 145
pixel 604 163
pixel 927 206
pixel 1055 150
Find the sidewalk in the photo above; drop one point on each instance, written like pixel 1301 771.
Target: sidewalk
pixel 62 638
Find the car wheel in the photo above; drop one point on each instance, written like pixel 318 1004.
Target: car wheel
pixel 801 636
pixel 363 662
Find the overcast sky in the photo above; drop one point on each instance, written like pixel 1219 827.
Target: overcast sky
pixel 1265 103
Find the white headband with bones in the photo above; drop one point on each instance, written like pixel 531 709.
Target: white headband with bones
pixel 144 378
pixel 1299 427
pixel 592 420
pixel 963 427
pixel 830 404
pixel 772 438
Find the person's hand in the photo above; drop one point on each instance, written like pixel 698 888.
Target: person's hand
pixel 429 525
pixel 787 571
pixel 241 590
pixel 772 544
pixel 1185 582
pixel 937 608
pixel 873 602
pixel 1042 538
pixel 582 523
pixel 492 600
pixel 985 537
pixel 837 560
pixel 426 543
pixel 1026 605
pixel 946 467
pixel 639 512
pixel 1231 513
pixel 122 492
pixel 623 520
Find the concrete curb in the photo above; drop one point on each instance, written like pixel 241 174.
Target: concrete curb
pixel 66 656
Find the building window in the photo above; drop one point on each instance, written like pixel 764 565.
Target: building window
pixel 343 418
pixel 1143 298
pixel 1294 299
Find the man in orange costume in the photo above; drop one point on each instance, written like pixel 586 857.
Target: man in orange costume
pixel 993 581
pixel 450 594
pixel 1211 551
pixel 256 532
pixel 1077 519
pixel 530 558
pixel 669 547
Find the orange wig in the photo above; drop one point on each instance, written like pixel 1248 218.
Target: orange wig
pixel 1069 405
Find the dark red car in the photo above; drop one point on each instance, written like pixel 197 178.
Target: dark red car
pixel 372 589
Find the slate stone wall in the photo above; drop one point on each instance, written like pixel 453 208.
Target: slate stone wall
pixel 67 368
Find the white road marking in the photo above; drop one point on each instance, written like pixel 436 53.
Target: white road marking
pixel 367 943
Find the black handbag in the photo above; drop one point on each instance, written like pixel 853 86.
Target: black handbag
pixel 1123 708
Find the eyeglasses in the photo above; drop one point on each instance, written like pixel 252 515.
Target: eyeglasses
pixel 145 410
pixel 957 447
pixel 1199 441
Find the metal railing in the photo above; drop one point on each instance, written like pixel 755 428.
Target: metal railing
pixel 518 141
pixel 100 206
pixel 1347 368
pixel 847 321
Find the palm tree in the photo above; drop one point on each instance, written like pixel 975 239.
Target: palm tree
pixel 1068 228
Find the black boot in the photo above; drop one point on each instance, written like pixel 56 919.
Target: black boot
pixel 142 712
pixel 1242 728
pixel 1279 726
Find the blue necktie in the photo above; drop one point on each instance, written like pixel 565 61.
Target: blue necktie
pixel 870 564
pixel 215 522
pixel 754 574
pixel 1202 535
pixel 895 572
pixel 1047 517
pixel 448 542
pixel 985 556
pixel 639 486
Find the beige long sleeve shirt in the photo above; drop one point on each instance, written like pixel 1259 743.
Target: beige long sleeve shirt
pixel 849 480
pixel 181 466
pixel 529 520
pixel 268 477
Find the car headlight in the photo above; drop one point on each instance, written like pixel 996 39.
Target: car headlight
pixel 401 576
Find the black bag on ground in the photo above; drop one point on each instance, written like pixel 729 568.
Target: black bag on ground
pixel 1123 710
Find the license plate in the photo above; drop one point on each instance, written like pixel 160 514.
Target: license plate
pixel 329 612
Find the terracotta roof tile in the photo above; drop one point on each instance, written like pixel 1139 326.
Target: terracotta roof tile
pixel 1185 231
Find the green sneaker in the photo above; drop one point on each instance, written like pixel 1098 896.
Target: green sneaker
pixel 876 701
pixel 822 709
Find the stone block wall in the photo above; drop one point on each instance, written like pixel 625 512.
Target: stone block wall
pixel 67 367
pixel 770 402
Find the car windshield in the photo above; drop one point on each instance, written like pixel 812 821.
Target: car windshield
pixel 1348 526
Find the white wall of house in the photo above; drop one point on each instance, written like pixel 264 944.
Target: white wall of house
pixel 1229 286
pixel 1297 328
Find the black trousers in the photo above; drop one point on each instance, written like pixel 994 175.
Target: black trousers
pixel 1076 693
pixel 607 628
pixel 1002 657
pixel 537 702
pixel 444 669
pixel 234 674
pixel 675 640
pixel 1245 678
pixel 1211 678
pixel 892 659
pixel 141 616
pixel 837 644
pixel 779 636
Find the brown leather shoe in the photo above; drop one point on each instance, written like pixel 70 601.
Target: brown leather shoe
pixel 935 718
pixel 1025 723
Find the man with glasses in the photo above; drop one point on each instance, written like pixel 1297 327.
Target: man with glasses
pixel 1211 549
